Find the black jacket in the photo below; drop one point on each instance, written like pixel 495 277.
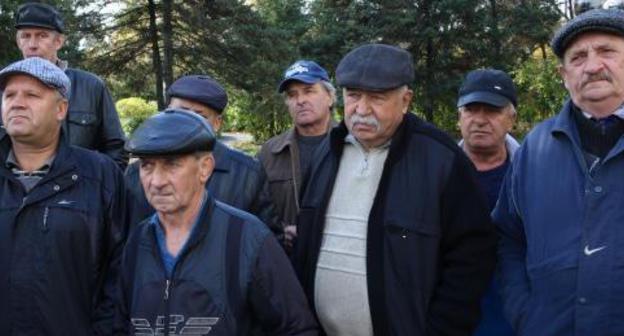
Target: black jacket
pixel 92 121
pixel 232 275
pixel 237 179
pixel 430 246
pixel 60 246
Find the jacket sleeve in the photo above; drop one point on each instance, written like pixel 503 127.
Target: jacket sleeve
pixel 114 237
pixel 467 254
pixel 264 208
pixel 112 138
pixel 511 253
pixel 276 298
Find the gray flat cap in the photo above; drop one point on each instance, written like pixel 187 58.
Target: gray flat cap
pixel 42 69
pixel 600 20
pixel 171 132
pixel 375 67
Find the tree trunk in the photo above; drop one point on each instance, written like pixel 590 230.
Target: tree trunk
pixel 495 36
pixel 167 43
pixel 157 64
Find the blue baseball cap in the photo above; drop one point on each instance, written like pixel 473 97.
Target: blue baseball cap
pixel 303 71
pixel 41 69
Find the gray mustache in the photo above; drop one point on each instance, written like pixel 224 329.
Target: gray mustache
pixel 368 120
pixel 596 77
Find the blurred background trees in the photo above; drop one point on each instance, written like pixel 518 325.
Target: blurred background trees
pixel 141 46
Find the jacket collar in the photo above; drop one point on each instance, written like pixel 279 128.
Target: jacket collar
pixel 221 156
pixel 289 138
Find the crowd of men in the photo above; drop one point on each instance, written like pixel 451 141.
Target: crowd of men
pixel 379 224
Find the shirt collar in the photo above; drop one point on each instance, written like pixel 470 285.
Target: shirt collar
pixel 618 113
pixel 352 140
pixel 11 162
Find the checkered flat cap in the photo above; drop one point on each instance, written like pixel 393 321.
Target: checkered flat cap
pixel 43 70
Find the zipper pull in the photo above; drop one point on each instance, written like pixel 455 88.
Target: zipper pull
pixel 167 290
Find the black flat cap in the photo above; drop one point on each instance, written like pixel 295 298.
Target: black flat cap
pixel 489 86
pixel 375 67
pixel 200 88
pixel 33 14
pixel 171 132
pixel 599 20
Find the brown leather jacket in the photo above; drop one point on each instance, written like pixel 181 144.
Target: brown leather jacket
pixel 280 158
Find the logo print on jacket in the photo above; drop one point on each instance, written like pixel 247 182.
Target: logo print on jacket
pixel 194 326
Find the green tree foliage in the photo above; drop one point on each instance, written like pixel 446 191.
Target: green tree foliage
pixel 133 111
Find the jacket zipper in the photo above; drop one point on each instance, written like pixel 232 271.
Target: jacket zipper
pixel 46 212
pixel 168 288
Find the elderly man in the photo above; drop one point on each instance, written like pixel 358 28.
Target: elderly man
pixel 62 213
pixel 92 121
pixel 394 235
pixel 560 210
pixel 487 110
pixel 309 96
pixel 199 266
pixel 237 180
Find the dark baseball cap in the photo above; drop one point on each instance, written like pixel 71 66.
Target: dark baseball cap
pixel 171 132
pixel 375 67
pixel 599 20
pixel 200 88
pixel 33 14
pixel 489 86
pixel 308 72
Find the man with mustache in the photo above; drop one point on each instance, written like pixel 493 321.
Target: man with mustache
pixel 394 235
pixel 310 97
pixel 560 210
pixel 62 213
pixel 487 110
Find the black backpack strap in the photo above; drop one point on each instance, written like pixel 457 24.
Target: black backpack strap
pixel 232 262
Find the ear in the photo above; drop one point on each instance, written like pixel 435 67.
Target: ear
pixel 216 123
pixel 407 99
pixel 562 72
pixel 206 166
pixel 59 40
pixel 61 111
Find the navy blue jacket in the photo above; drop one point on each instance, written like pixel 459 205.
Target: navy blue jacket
pixel 431 244
pixel 60 245
pixel 561 232
pixel 231 276
pixel 237 179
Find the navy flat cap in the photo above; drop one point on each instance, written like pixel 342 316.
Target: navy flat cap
pixel 375 67
pixel 600 20
pixel 199 88
pixel 171 132
pixel 39 15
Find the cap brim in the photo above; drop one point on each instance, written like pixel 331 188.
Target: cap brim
pixel 483 97
pixel 298 78
pixel 37 25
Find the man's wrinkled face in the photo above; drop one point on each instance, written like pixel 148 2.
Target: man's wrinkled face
pixel 308 104
pixel 593 70
pixel 41 42
pixel 173 183
pixel 373 117
pixel 211 115
pixel 483 126
pixel 31 111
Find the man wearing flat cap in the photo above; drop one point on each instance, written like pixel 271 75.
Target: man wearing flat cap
pixel 237 179
pixel 309 97
pixel 92 121
pixel 62 210
pixel 487 110
pixel 394 235
pixel 199 266
pixel 560 209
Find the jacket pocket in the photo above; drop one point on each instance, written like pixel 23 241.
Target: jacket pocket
pixel 413 253
pixel 82 127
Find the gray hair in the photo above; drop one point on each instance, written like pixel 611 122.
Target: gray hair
pixel 510 107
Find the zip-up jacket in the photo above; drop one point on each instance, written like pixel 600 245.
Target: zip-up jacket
pixel 560 219
pixel 430 242
pixel 231 276
pixel 237 180
pixel 60 245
